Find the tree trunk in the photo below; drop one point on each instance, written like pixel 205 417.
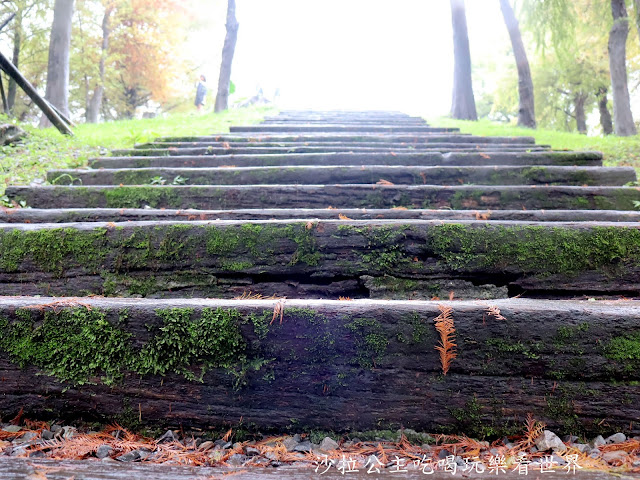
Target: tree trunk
pixel 526 110
pixel 636 12
pixel 222 98
pixel 463 105
pixel 605 115
pixel 623 119
pixel 581 117
pixel 57 91
pixel 17 45
pixel 95 103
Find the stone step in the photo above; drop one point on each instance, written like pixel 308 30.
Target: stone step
pixel 584 159
pixel 341 121
pixel 406 259
pixel 355 138
pixel 55 215
pixel 330 127
pixel 204 149
pixel 339 366
pixel 398 175
pixel 461 197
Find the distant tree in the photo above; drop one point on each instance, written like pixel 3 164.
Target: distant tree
pixel 94 100
pixel 58 66
pixel 463 105
pixel 526 109
pixel 623 119
pixel 228 49
pixel 27 34
pixel 126 53
pixel 571 71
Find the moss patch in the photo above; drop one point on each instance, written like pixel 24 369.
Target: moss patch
pixel 50 249
pixel 79 346
pixel 370 341
pixel 74 345
pixel 625 350
pixel 138 197
pixel 211 341
pixel 535 248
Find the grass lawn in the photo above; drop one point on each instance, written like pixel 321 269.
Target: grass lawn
pixel 47 149
pixel 618 151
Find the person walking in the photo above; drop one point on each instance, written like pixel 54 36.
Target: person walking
pixel 201 92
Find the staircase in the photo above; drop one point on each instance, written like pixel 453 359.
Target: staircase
pixel 287 275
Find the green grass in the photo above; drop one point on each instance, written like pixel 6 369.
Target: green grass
pixel 47 149
pixel 618 151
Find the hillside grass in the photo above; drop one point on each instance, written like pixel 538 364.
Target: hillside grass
pixel 47 149
pixel 618 151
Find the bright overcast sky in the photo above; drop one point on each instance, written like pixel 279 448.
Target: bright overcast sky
pixel 373 54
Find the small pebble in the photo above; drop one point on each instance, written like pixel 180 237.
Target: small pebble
pixel 251 451
pixel 290 443
pixel 550 441
pixel 222 443
pixel 129 457
pixel 168 437
pixel 598 441
pixel 205 446
pixel 28 436
pixel 615 458
pixel 237 459
pixel 303 447
pixel 616 438
pixel 104 451
pixel 328 444
pixel 12 429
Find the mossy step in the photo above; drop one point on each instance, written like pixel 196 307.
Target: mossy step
pixel 328 364
pixel 463 197
pixel 360 137
pixel 344 122
pixel 55 215
pixel 399 175
pixel 319 259
pixel 253 148
pixel 173 159
pixel 331 127
pixel 340 146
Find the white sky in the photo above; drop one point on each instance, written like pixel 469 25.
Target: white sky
pixel 351 54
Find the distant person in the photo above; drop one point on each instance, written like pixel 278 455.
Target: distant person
pixel 201 92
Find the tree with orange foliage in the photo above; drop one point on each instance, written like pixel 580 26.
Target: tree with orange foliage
pixel 128 54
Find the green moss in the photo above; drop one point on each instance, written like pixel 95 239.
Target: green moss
pixel 221 241
pixel 73 345
pixel 469 420
pixel 464 199
pixel 138 197
pixel 419 329
pixel 261 242
pixel 624 350
pixel 180 343
pixel 51 249
pixel 559 407
pixel 303 237
pixel 370 341
pixel 566 334
pixel 538 249
pixel 502 346
pixel 261 323
pixel 384 246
